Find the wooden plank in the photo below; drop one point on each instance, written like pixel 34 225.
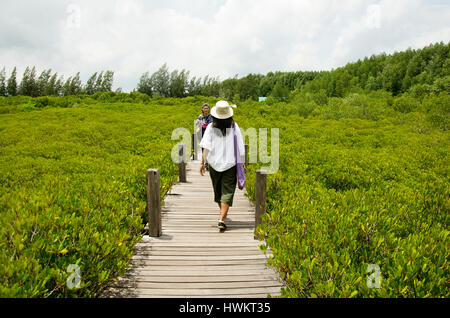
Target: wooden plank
pixel 197 253
pixel 175 263
pixel 205 221
pixel 190 219
pixel 188 292
pixel 211 233
pixel 212 208
pixel 200 285
pixel 198 279
pixel 211 212
pixel 206 224
pixel 197 199
pixel 128 293
pixel 206 205
pixel 207 214
pixel 200 251
pixel 160 243
pixel 254 270
pixel 198 207
pixel 219 258
pixel 198 247
pixel 253 296
pixel 206 230
pixel 200 237
pixel 196 239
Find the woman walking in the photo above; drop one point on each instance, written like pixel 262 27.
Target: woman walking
pixel 203 121
pixel 218 144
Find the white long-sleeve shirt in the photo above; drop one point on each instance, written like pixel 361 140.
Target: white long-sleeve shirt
pixel 221 148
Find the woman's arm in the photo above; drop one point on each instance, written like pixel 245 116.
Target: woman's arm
pixel 240 142
pixel 202 165
pixel 204 155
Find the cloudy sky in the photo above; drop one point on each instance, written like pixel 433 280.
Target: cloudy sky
pixel 215 37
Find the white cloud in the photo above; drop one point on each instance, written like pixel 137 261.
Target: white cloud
pixel 219 37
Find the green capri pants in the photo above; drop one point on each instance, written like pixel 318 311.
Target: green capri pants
pixel 224 184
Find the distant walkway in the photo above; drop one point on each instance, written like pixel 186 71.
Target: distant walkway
pixel 192 258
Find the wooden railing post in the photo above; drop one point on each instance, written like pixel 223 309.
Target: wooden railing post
pixel 246 155
pixel 260 196
pixel 154 203
pixel 182 162
pixel 194 146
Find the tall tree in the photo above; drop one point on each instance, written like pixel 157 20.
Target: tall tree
pixel 178 83
pixel 42 82
pixel 66 87
pixel 28 85
pixel 59 86
pixel 195 86
pixel 107 81
pixel 98 82
pixel 11 87
pixel 90 85
pixel 75 86
pixel 161 81
pixel 145 85
pixel 3 91
pixel 51 86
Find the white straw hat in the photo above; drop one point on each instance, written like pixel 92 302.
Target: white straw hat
pixel 222 110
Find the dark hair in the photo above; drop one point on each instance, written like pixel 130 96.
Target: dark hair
pixel 222 124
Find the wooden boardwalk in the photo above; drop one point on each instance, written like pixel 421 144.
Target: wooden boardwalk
pixel 192 258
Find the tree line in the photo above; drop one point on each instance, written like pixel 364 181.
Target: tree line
pixel 178 84
pixel 48 84
pixel 419 71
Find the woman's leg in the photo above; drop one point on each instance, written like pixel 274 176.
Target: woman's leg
pixel 223 211
pixel 216 179
pixel 228 187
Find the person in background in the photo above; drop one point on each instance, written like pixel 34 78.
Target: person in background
pixel 202 122
pixel 218 145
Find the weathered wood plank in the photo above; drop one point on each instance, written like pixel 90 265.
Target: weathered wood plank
pixel 199 279
pixel 185 258
pixel 175 263
pixel 217 248
pixel 200 285
pixel 128 293
pixel 203 270
pixel 187 292
pixel 167 244
pixel 243 296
